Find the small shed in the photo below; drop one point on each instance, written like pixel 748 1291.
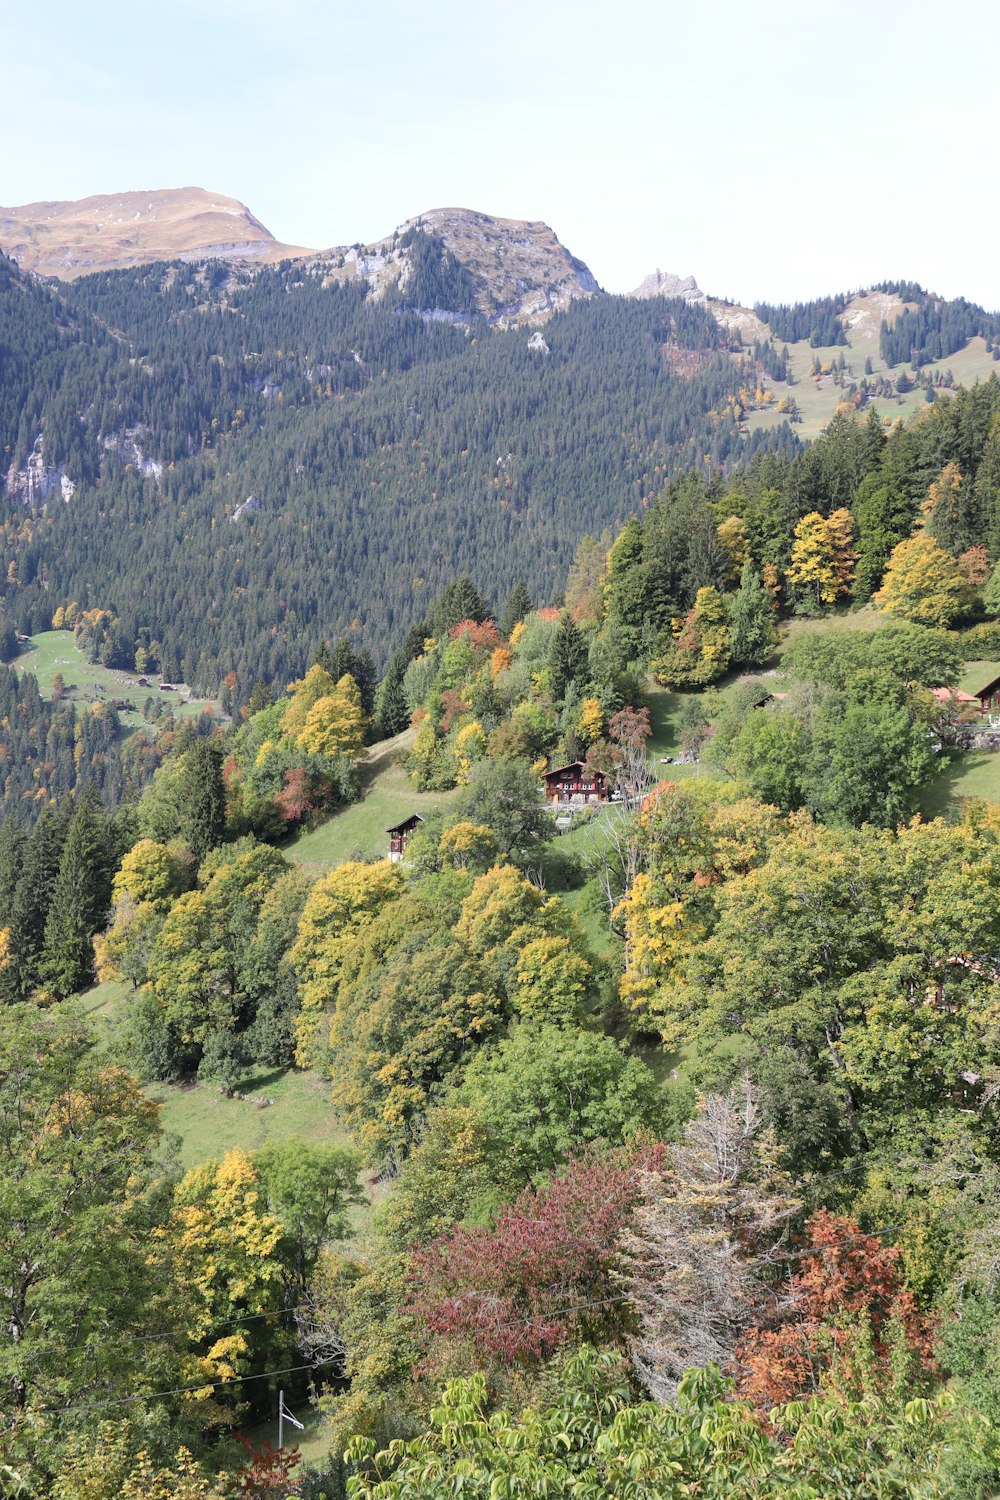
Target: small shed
pixel 398 835
pixel 575 784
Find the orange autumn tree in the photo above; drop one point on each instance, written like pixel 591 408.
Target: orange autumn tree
pixel 849 1315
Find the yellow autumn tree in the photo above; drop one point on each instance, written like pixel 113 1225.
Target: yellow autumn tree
pixel 812 566
pixel 551 981
pixel 467 845
pixel 659 935
pixel 335 723
pixel 150 872
pixel 303 694
pixel 338 907
pixel 923 583
pixel 591 720
pixel 470 746
pixel 220 1245
pixel 735 538
pixel 843 557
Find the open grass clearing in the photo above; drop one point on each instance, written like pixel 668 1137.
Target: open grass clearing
pixel 277 1104
pixel 359 831
pixel 817 401
pixel 52 651
pixel 971 774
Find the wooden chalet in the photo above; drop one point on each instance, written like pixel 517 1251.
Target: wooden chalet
pixel 398 835
pixel 574 785
pixel 982 690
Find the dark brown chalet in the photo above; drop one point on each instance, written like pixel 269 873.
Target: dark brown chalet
pixel 574 784
pixel 398 835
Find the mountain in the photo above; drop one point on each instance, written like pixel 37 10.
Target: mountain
pixel 509 271
pixel 127 229
pixel 235 456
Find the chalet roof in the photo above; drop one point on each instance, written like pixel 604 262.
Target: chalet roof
pixel 574 765
pixel 980 677
pixel 953 695
pixel 406 824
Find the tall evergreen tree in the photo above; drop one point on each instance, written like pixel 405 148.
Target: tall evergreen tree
pixel 568 656
pixel 80 899
pixel 32 898
pixel 460 600
pixel 366 677
pixel 391 712
pixel 201 798
pixel 517 606
pixel 753 629
pixel 12 845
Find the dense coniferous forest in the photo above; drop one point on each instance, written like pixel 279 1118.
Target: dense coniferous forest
pixel 817 321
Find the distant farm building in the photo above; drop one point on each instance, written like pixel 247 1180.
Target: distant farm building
pixel 575 785
pixel 398 835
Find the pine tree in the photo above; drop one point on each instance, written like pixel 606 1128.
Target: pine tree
pixel 201 798
pixel 753 630
pixel 568 656
pixel 391 713
pixel 991 593
pixel 13 841
pixel 32 897
pixel 80 898
pixel 460 600
pixel 366 677
pixel 518 605
pixel 260 696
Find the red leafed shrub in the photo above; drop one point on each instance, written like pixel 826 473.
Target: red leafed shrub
pixel 630 728
pixel 846 1281
pixel 483 636
pixel 264 1476
pixel 540 1277
pixel 453 708
pixel 295 801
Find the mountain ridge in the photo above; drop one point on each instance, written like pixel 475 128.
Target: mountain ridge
pixel 71 238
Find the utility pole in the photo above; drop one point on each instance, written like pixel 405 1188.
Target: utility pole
pixel 282 1415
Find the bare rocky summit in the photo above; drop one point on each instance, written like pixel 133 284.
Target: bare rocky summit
pixel 665 284
pixel 127 229
pixel 521 271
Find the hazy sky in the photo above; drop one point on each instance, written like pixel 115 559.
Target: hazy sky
pixel 774 150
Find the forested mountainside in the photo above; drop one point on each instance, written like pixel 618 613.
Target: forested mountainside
pixel 234 461
pixel 380 451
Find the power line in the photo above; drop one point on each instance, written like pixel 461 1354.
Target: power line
pixel 556 1312
pixel 180 1390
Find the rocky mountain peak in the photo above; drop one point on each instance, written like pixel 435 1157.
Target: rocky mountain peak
pixel 665 284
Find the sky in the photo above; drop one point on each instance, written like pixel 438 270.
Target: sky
pixel 775 152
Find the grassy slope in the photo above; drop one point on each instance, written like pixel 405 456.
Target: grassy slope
pixel 818 402
pixel 53 651
pixel 359 831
